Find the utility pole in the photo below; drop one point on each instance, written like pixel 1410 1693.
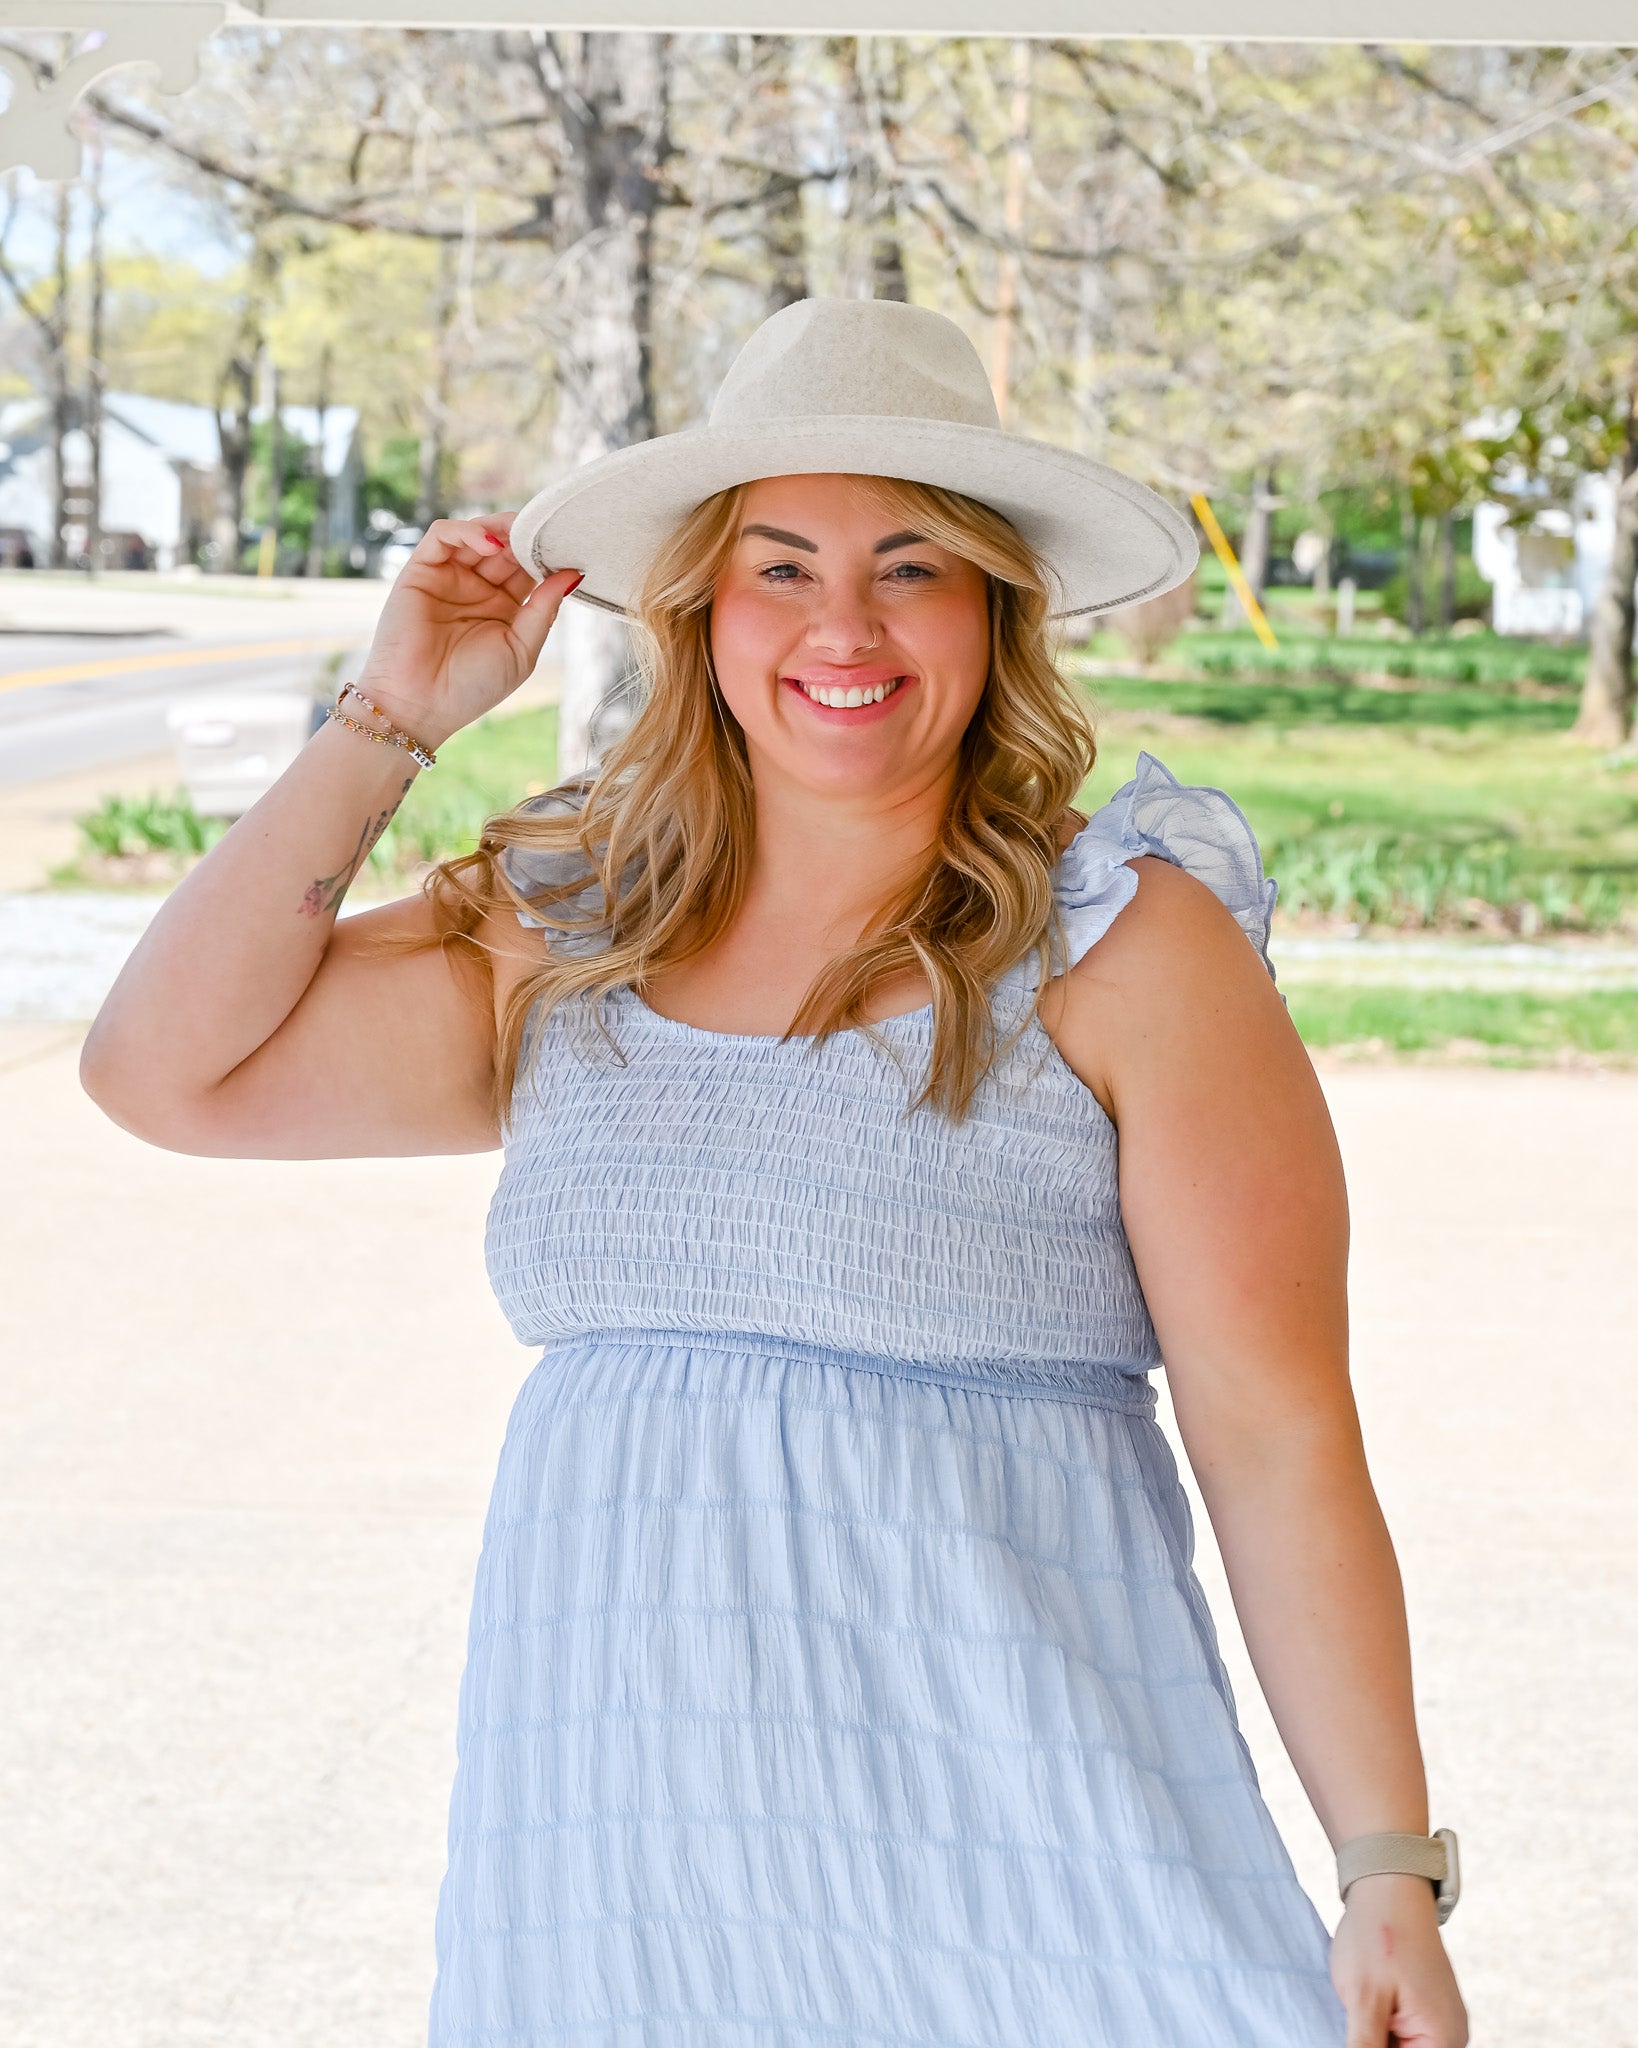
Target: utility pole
pixel 62 404
pixel 97 375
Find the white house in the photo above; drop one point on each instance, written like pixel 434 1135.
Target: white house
pixel 161 472
pixel 1546 564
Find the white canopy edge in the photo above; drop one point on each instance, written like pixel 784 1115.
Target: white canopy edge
pixel 36 129
pixel 1334 21
pixel 1521 22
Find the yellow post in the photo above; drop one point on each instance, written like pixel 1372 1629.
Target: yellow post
pixel 1232 570
pixel 264 552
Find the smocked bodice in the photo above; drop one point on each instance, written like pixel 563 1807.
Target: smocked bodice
pixel 704 1182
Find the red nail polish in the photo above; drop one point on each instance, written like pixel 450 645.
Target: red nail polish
pixel 575 585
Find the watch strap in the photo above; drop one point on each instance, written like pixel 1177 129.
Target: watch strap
pixel 1430 1856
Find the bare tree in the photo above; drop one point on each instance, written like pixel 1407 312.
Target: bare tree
pixel 435 419
pixel 318 538
pixel 275 461
pixel 784 233
pixel 235 394
pixel 610 95
pixel 50 320
pixel 1607 695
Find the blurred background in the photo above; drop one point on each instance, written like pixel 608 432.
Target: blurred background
pixel 1369 314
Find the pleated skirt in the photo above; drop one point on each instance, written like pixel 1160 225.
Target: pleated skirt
pixel 811 1702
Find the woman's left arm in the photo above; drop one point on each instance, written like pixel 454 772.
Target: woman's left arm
pixel 1233 1198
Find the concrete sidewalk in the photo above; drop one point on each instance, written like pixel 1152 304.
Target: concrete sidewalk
pixel 251 1412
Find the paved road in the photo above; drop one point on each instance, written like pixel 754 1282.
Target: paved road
pixel 87 672
pixel 247 1427
pixel 60 715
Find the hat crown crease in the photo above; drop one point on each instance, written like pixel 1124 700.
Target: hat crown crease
pixel 852 358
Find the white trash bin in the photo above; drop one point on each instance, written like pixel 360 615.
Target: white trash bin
pixel 233 745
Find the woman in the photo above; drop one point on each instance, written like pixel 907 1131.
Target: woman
pixel 837 1671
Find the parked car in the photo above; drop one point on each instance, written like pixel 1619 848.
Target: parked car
pixel 397 551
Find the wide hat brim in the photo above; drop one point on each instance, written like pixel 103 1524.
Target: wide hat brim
pixel 1107 539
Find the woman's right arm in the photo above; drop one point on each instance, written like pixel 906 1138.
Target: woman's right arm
pixel 247 1021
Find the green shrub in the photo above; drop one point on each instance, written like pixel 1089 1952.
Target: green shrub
pixel 1481 658
pixel 1396 878
pixel 124 828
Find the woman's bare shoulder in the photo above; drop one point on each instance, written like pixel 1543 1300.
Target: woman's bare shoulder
pixel 1173 982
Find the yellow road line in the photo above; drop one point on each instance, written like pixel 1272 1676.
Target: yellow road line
pixel 178 657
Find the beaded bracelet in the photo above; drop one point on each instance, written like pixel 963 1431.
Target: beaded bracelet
pixel 394 736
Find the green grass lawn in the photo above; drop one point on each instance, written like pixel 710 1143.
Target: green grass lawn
pixel 1508 1026
pixel 1452 809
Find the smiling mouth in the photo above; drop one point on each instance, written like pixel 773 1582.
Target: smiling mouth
pixel 849 696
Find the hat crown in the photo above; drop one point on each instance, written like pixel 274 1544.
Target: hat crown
pixel 846 357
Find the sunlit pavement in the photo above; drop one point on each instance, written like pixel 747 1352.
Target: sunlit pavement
pixel 251 1412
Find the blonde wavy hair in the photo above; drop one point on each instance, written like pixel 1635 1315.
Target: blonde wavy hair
pixel 653 852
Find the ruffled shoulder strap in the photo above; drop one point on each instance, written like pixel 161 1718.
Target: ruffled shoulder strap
pixel 532 869
pixel 1193 826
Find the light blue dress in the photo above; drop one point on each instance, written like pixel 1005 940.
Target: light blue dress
pixel 837 1672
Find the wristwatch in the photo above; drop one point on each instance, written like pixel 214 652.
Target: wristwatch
pixel 1430 1856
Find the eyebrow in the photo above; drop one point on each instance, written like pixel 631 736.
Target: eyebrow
pixel 795 540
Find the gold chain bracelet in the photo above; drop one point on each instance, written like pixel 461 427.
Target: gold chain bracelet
pixel 394 736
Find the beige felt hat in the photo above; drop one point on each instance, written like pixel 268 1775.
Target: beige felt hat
pixel 863 387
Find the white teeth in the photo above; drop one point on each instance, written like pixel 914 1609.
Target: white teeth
pixel 841 698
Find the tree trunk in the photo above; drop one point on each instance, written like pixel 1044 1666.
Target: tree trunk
pixel 872 255
pixel 1085 422
pixel 888 279
pixel 1411 546
pixel 1254 544
pixel 319 538
pixel 275 462
pixel 614 111
pixel 237 382
pixel 1006 284
pixel 1605 716
pixel 1447 571
pixel 96 377
pixel 430 463
pixel 233 439
pixel 62 404
pixel 784 233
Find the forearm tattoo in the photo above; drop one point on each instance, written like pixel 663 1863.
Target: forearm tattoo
pixel 326 891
